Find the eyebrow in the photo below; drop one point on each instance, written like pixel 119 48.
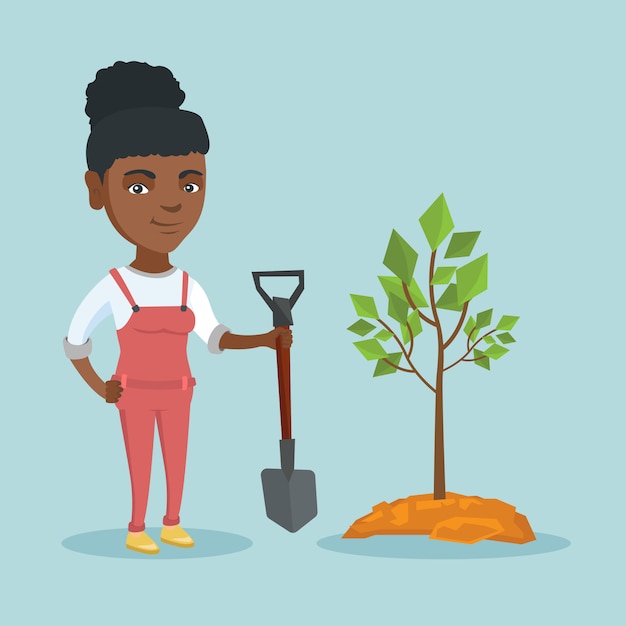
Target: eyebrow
pixel 187 172
pixel 147 173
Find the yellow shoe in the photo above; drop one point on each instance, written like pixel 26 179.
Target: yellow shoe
pixel 176 536
pixel 141 542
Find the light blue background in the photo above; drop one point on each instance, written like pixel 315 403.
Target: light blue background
pixel 331 123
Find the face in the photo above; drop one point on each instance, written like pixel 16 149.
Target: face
pixel 152 201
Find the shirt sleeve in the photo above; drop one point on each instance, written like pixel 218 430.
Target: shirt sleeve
pixel 91 311
pixel 207 327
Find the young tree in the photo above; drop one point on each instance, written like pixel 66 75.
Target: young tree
pixel 411 310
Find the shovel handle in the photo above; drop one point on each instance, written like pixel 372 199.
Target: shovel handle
pixel 283 362
pixel 294 296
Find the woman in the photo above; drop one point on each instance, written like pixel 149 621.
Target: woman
pixel 146 168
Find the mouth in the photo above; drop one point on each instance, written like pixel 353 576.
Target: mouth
pixel 153 221
pixel 164 225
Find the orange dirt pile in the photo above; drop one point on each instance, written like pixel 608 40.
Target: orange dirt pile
pixel 464 519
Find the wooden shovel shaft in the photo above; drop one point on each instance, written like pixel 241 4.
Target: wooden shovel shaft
pixel 284 387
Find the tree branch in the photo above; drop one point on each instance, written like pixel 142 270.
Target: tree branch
pixel 426 319
pixel 406 355
pixel 470 349
pixel 469 338
pixel 458 326
pixel 407 295
pixel 402 369
pixel 412 338
pixel 431 291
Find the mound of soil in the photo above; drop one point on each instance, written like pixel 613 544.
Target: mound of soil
pixel 464 519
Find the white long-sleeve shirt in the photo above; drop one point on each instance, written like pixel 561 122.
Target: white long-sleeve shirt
pixel 163 289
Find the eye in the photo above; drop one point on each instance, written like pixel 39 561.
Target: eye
pixel 137 189
pixel 191 187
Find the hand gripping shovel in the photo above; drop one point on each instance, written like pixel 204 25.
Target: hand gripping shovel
pixel 290 496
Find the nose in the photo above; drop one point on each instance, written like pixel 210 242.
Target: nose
pixel 172 209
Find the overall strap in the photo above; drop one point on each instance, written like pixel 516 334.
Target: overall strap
pixel 183 306
pixel 122 285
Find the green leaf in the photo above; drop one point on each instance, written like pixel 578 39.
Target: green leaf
pixel 461 244
pixel 371 349
pixel 383 335
pixel 507 322
pixel 365 306
pixel 406 336
pixel 471 279
pixel 448 299
pixel 482 362
pixel 469 326
pixel 416 295
pixel 416 327
pixel 362 328
pixel 506 338
pixel 393 284
pixel 415 322
pixel 400 258
pixel 383 368
pixel 437 222
pixel 496 351
pixel 489 339
pixel 398 308
pixel 443 275
pixel 483 319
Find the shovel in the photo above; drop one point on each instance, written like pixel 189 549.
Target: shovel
pixel 290 495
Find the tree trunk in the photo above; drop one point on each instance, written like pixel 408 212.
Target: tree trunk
pixel 439 490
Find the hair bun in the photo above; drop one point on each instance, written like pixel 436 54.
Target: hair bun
pixel 128 85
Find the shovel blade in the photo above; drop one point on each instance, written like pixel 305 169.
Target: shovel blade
pixel 289 502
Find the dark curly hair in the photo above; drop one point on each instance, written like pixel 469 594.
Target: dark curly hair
pixel 134 110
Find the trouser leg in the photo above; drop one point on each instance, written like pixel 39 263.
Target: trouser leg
pixel 138 429
pixel 173 427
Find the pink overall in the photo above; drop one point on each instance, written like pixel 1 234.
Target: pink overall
pixel 154 373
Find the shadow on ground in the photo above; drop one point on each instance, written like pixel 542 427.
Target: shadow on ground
pixel 112 543
pixel 422 547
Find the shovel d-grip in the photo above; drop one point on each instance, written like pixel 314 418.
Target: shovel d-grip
pixel 281 307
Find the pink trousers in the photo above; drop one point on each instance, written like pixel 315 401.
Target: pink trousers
pixel 139 410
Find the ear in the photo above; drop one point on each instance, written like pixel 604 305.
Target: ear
pixel 96 190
